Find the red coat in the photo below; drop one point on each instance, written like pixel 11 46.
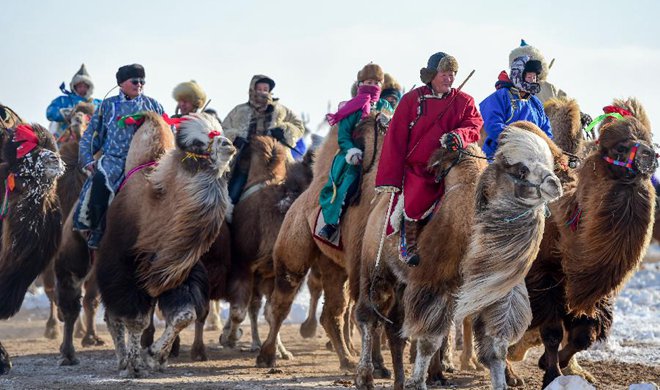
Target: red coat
pixel 406 152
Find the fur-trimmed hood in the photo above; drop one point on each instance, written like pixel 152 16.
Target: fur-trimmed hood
pixel 534 54
pixel 82 76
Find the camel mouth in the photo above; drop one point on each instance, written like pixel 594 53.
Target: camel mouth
pixel 551 188
pixel 53 166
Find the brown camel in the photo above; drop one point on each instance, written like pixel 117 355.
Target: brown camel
pixel 158 227
pixel 272 186
pixel 296 249
pixel 68 189
pixel 603 226
pixel 30 211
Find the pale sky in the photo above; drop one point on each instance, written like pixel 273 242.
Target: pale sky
pixel 603 49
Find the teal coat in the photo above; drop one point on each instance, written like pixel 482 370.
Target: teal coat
pixel 344 178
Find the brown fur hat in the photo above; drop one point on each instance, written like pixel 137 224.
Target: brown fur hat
pixel 371 71
pixel 190 91
pixel 438 62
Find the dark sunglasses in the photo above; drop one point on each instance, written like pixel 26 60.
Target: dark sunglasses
pixel 138 81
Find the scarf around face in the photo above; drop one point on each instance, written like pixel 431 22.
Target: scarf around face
pixel 260 100
pixel 518 76
pixel 367 94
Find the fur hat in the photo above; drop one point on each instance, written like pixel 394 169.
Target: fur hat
pixel 533 66
pixel 256 79
pixel 354 89
pixel 391 87
pixel 438 62
pixel 533 53
pixel 371 71
pixel 190 91
pixel 82 76
pixel 129 71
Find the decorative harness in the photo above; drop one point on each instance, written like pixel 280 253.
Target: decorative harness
pixel 29 140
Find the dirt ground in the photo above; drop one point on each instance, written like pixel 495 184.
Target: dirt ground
pixel 36 366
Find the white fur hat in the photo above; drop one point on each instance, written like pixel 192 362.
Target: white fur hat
pixel 82 76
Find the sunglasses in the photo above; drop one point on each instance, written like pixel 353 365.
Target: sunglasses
pixel 138 81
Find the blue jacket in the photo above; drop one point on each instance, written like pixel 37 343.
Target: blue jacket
pixel 107 136
pixel 505 106
pixel 68 100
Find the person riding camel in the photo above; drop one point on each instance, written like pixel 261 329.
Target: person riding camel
pixel 392 90
pixel 428 117
pixel 344 178
pixel 514 100
pixel 60 108
pixel 261 115
pixel 110 133
pixel 190 97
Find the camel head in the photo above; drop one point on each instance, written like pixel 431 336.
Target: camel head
pixel 443 161
pixel 200 137
pixel 27 165
pixel 564 115
pixel 626 145
pixel 526 161
pixel 79 119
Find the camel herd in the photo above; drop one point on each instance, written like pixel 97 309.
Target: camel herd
pixel 528 249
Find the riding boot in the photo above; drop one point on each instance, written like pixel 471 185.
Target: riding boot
pixel 411 230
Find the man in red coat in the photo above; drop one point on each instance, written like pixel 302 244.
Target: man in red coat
pixel 429 117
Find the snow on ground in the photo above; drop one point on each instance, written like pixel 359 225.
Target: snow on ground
pixel 635 336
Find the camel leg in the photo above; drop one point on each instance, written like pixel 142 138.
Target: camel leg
pixel 181 306
pixel 198 349
pixel 91 302
pixel 349 324
pixel 72 266
pixel 315 286
pixel 232 332
pixel 79 328
pixel 552 334
pixel 446 352
pixel 52 331
pixel 517 352
pixel 253 312
pixel 469 360
pixel 213 321
pixel 492 353
pixel 147 337
pixel 332 317
pixel 5 362
pixel 396 343
pixel 364 375
pixel 136 366
pixel 426 348
pixel 117 331
pixel 581 335
pixel 287 285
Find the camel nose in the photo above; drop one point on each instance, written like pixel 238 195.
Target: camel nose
pixel 551 188
pixel 225 141
pixel 646 161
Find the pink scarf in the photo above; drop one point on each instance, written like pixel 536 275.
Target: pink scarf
pixel 367 94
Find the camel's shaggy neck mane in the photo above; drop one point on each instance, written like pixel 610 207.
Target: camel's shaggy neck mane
pixel 195 199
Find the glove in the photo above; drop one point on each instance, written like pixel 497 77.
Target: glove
pixel 354 156
pixel 390 189
pixel 65 112
pixel 383 120
pixel 451 141
pixel 278 134
pixel 240 143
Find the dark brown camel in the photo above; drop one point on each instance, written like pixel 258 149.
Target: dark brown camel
pixel 31 218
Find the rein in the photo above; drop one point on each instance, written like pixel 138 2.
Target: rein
pixel 626 164
pixel 135 170
pixel 373 154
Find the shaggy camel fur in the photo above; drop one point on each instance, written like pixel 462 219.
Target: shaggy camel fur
pixel 31 218
pixel 509 222
pixel 604 227
pixel 295 249
pixel 272 186
pixel 392 285
pixel 158 226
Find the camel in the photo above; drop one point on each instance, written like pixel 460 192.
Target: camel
pixel 158 226
pixel 272 186
pixel 296 248
pixel 572 283
pixel 30 212
pixel 68 188
pixel 502 248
